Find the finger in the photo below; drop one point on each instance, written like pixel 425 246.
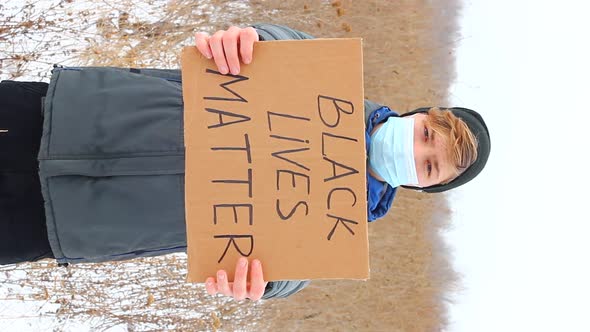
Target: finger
pixel 257 283
pixel 240 279
pixel 222 283
pixel 202 43
pixel 230 46
pixel 215 43
pixel 247 38
pixel 210 286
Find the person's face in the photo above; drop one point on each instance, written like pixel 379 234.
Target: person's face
pixel 430 154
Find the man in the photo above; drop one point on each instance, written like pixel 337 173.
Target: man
pixel 111 162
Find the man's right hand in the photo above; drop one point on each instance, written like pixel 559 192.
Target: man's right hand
pixel 227 47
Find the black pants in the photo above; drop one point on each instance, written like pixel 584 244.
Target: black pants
pixel 23 232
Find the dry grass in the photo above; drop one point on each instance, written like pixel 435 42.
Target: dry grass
pixel 143 295
pixel 408 48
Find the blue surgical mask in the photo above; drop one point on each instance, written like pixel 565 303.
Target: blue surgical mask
pixel 391 154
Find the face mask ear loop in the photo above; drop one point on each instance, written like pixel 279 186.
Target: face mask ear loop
pixel 418 110
pixel 420 189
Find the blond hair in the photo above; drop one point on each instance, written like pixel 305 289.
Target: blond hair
pixel 460 142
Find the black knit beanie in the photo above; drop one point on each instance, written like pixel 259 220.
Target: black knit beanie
pixel 479 129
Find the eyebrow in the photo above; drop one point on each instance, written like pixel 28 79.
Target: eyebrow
pixel 432 136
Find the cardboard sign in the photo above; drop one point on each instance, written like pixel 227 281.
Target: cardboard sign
pixel 275 162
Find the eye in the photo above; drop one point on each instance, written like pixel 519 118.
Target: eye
pixel 428 167
pixel 426 134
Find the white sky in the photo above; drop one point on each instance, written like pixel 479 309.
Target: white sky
pixel 520 233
